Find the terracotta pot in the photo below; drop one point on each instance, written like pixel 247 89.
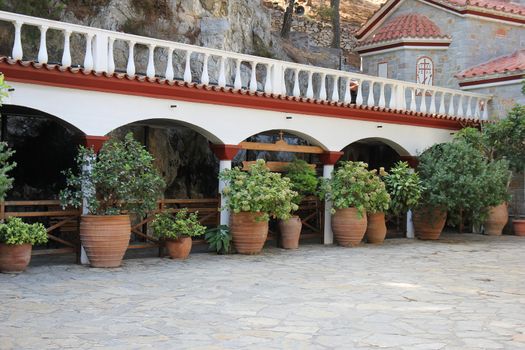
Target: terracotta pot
pixel 376 228
pixel 496 220
pixel 179 248
pixel 519 227
pixel 248 235
pixel 349 229
pixel 290 232
pixel 105 238
pixel 428 223
pixel 14 258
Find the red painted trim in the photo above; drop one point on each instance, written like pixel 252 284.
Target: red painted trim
pixel 402 44
pixel 411 160
pixel 225 152
pixel 95 142
pixel 493 80
pixel 199 94
pixel 330 157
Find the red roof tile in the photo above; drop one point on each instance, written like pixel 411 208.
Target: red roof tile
pixel 505 64
pixel 496 5
pixel 406 26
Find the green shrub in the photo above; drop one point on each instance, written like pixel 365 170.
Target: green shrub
pixel 353 185
pixel 122 179
pixel 183 224
pixel 219 238
pixel 404 187
pixel 303 179
pixel 379 196
pixel 259 191
pixel 15 231
pixel 6 182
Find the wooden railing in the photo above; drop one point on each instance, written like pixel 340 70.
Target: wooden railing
pixel 223 68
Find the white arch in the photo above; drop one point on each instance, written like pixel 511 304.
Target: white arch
pixel 308 138
pixel 395 146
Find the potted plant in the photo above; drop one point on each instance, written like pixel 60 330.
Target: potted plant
pixel 404 186
pixel 348 190
pixel 253 197
pixel 304 181
pixel 176 231
pixel 119 181
pixel 378 204
pixel 219 238
pixel 16 241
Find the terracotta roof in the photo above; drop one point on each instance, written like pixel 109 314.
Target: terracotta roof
pixel 496 5
pixel 510 64
pixel 158 83
pixel 406 26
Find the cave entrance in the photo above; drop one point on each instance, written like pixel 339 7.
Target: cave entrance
pixel 379 153
pixel 184 159
pixel 278 148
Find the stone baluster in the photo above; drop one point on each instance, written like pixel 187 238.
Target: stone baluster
pixel 42 50
pixel 268 83
pixel 111 56
pixel 469 107
pixel 150 70
pixel 359 98
pixel 18 52
pixel 296 90
pixel 310 88
pixel 130 69
pixel 322 90
pixel 486 110
pixel 413 105
pixel 66 54
pixel 253 78
pixel 347 96
pixel 170 73
pixel 442 104
pixel 423 104
pixel 88 58
pixel 205 77
pixel 432 109
pixel 460 106
pixel 381 102
pixel 335 90
pixel 392 101
pixel 222 72
pixel 238 82
pixel 187 68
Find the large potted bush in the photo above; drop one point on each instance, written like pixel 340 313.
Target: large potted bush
pixel 348 190
pixel 119 181
pixel 176 232
pixel 378 204
pixel 455 178
pixel 252 198
pixel 16 241
pixel 304 181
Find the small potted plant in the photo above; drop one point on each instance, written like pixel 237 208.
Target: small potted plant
pixel 16 241
pixel 253 197
pixel 219 239
pixel 119 181
pixel 176 231
pixel 377 206
pixel 404 186
pixel 348 189
pixel 304 181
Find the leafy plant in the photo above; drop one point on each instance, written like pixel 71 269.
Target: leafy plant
pixel 3 88
pixel 457 177
pixel 167 226
pixel 6 182
pixel 259 191
pixel 379 196
pixel 15 231
pixel 325 13
pixel 404 187
pixel 219 238
pixel 303 179
pixel 121 179
pixel 352 185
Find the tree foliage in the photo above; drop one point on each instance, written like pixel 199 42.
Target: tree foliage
pixel 183 224
pixel 121 179
pixel 259 191
pixel 15 231
pixel 302 178
pixel 404 187
pixel 6 181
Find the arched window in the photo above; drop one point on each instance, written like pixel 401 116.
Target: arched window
pixel 425 71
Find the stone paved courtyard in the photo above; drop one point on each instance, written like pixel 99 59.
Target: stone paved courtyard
pixel 464 292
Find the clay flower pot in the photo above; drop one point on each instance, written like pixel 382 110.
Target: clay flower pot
pixel 248 234
pixel 496 220
pixel 290 231
pixel 105 238
pixel 14 258
pixel 428 223
pixel 349 228
pixel 179 248
pixel 376 228
pixel 519 227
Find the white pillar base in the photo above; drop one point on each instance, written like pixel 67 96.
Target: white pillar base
pixel 83 256
pixel 410 225
pixel 328 237
pixel 225 213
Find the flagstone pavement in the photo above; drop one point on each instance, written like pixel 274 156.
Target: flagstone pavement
pixel 463 292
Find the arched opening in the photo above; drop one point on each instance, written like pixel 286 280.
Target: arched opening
pixel 278 148
pixel 45 147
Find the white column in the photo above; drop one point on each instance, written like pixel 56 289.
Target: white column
pixel 410 225
pixel 225 214
pixel 328 234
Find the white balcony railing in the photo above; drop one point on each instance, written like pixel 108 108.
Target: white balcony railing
pixel 212 66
